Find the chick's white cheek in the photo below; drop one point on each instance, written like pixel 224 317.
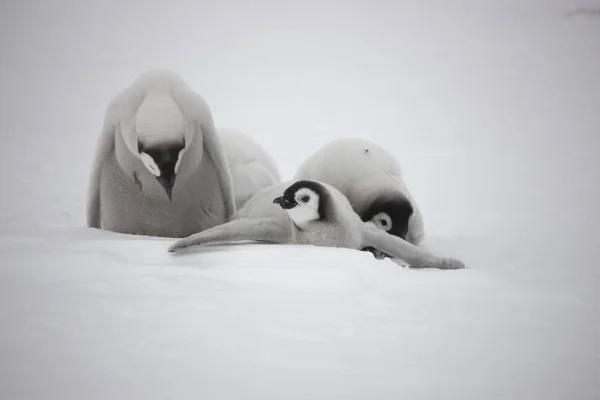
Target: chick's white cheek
pixel 150 164
pixel 382 221
pixel 179 157
pixel 307 198
pixel 313 204
pixel 302 214
pixel 307 209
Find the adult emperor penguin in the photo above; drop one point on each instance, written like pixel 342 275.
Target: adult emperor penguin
pixel 252 167
pixel 310 212
pixel 159 168
pixel 371 179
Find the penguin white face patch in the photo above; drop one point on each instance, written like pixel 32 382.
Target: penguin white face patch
pixel 179 159
pixel 150 164
pixel 382 221
pixel 307 209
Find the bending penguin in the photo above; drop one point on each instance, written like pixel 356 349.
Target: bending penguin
pixel 159 167
pixel 371 179
pixel 252 167
pixel 310 212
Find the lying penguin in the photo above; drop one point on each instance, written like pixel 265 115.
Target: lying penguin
pixel 159 168
pixel 252 167
pixel 310 212
pixel 371 179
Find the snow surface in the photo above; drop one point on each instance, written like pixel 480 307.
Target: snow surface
pixel 493 109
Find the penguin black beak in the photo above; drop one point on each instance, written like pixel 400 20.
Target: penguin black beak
pixel 284 203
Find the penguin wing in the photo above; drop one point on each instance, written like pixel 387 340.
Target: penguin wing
pixel 261 229
pixel 105 144
pixel 396 247
pixel 197 110
pixel 214 148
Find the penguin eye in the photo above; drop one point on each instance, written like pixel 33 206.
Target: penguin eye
pixel 304 199
pixel 383 222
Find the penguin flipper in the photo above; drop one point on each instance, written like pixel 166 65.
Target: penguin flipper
pixel 396 247
pixel 105 144
pixel 214 148
pixel 201 121
pixel 259 229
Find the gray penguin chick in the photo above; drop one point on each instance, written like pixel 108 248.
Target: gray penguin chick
pixel 159 167
pixel 315 213
pixel 252 167
pixel 371 179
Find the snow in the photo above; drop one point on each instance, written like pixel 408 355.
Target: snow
pixel 492 110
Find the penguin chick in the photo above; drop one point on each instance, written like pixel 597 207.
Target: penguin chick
pixel 159 167
pixel 252 167
pixel 371 179
pixel 310 212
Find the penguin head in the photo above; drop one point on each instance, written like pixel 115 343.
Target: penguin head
pixel 389 212
pixel 162 160
pixel 160 128
pixel 305 202
pixel 382 220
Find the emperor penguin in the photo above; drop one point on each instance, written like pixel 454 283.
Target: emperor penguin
pixel 159 167
pixel 252 167
pixel 311 213
pixel 371 179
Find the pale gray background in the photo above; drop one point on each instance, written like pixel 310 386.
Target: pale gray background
pixel 512 86
pixel 492 107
